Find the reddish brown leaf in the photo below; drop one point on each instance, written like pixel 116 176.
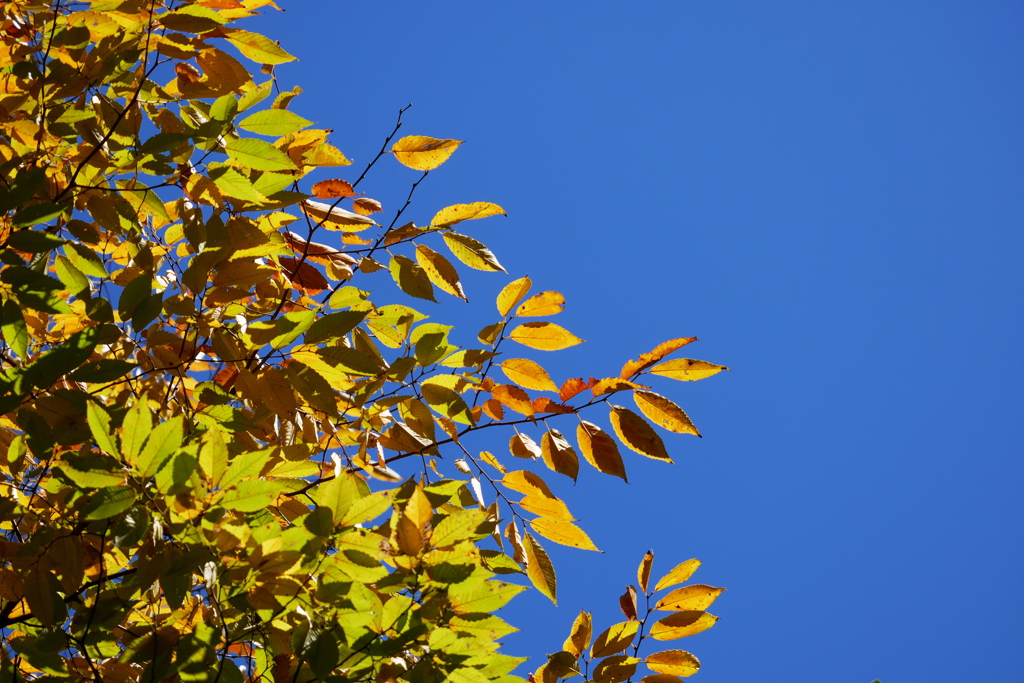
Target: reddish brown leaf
pixel 303 276
pixel 627 603
pixel 332 189
pixel 571 387
pixel 546 405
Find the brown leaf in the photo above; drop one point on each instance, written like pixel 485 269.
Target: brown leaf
pixel 186 72
pixel 304 277
pixel 559 455
pixel 316 252
pixel 627 603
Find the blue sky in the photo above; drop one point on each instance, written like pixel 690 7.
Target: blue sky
pixel 829 195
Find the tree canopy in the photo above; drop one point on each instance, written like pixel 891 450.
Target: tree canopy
pixel 211 377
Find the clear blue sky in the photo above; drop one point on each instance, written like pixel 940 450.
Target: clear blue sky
pixel 831 196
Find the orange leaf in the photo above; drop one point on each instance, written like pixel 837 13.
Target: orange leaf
pixel 513 397
pixel 571 387
pixel 543 404
pixel 332 189
pixel 365 206
pixel 492 407
pixel 647 359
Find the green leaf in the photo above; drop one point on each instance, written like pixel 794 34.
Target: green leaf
pixel 460 526
pixel 252 495
pixel 233 184
pixel 76 282
pixel 37 214
pixel 258 155
pixel 15 332
pixel 333 326
pixel 487 596
pixel 85 260
pixel 273 122
pixel 338 495
pixel 33 241
pixel 163 441
pixel 138 423
pixel 107 502
pixel 411 278
pixel 133 294
pixel 446 402
pixel 103 370
pixel 99 425
pixel 34 290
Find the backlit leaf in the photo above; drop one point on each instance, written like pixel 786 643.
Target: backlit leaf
pixel 423 153
pixel 527 374
pixel 332 189
pixel 463 212
pixel 639 436
pixel 689 598
pixel 257 48
pixel 539 568
pixel 335 217
pixel 643 572
pixel 522 446
pixel 675 662
pixel 514 398
pixel 512 293
pixel 682 624
pixel 273 122
pixel 546 506
pixel 527 483
pixel 615 639
pixel 600 450
pixel 559 455
pixel 687 369
pixel 615 669
pixel 440 271
pixel 610 385
pixel 545 303
pixel 258 155
pixel 664 412
pixel 579 636
pixel 108 502
pixel 565 533
pixel 679 574
pixel 544 336
pixel 411 278
pixel 471 252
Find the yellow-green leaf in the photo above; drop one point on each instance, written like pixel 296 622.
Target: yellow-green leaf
pixel 257 48
pixel 639 436
pixel 689 598
pixel 423 153
pixel 687 369
pixel 528 374
pixel 258 155
pixel 512 293
pixel 457 213
pixel 664 412
pixel 539 568
pixel 676 662
pixel 564 533
pixel 545 303
pixel 273 122
pixel 544 336
pixel 471 252
pixel 679 574
pixel 682 624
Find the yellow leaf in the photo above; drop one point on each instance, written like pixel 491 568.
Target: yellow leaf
pixel 528 374
pixel 439 271
pixel 489 458
pixel 664 412
pixel 512 294
pixel 545 303
pixel 600 450
pixel 516 539
pixel 647 359
pixel 539 568
pixel 423 153
pixel 689 598
pixel 679 574
pixel 522 446
pixel 678 662
pixel 615 669
pixel 565 533
pixel 643 572
pixel 336 218
pixel 256 47
pixel 559 455
pixel 528 483
pixel 615 639
pixel 544 336
pixel 639 436
pixel 682 624
pixel 544 506
pixel 610 385
pixel 456 213
pixel 579 635
pixel 687 369
pixel 471 252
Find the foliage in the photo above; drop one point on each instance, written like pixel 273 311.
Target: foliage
pixel 203 407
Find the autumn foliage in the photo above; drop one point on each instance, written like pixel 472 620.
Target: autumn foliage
pixel 232 448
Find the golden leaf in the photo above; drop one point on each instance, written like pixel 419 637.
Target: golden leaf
pixel 687 369
pixel 682 624
pixel 277 393
pixel 664 412
pixel 547 507
pixel 643 572
pixel 439 271
pixel 679 574
pixel 565 533
pixel 610 385
pixel 544 336
pixel 456 213
pixel 527 374
pixel 559 455
pixel 489 458
pixel 423 153
pixel 600 450
pixel 513 397
pixel 615 669
pixel 186 72
pixel 522 446
pixel 512 294
pixel 615 639
pixel 364 206
pixel 527 483
pixel 677 662
pixel 579 635
pixel 545 303
pixel 539 568
pixel 639 436
pixel 647 359
pixel 413 521
pixel 689 598
pixel 493 408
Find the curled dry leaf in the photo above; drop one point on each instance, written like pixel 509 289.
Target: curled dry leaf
pixel 332 188
pixel 336 218
pixel 522 446
pixel 643 572
pixel 627 603
pixel 364 206
pixel 316 252
pixel 423 153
